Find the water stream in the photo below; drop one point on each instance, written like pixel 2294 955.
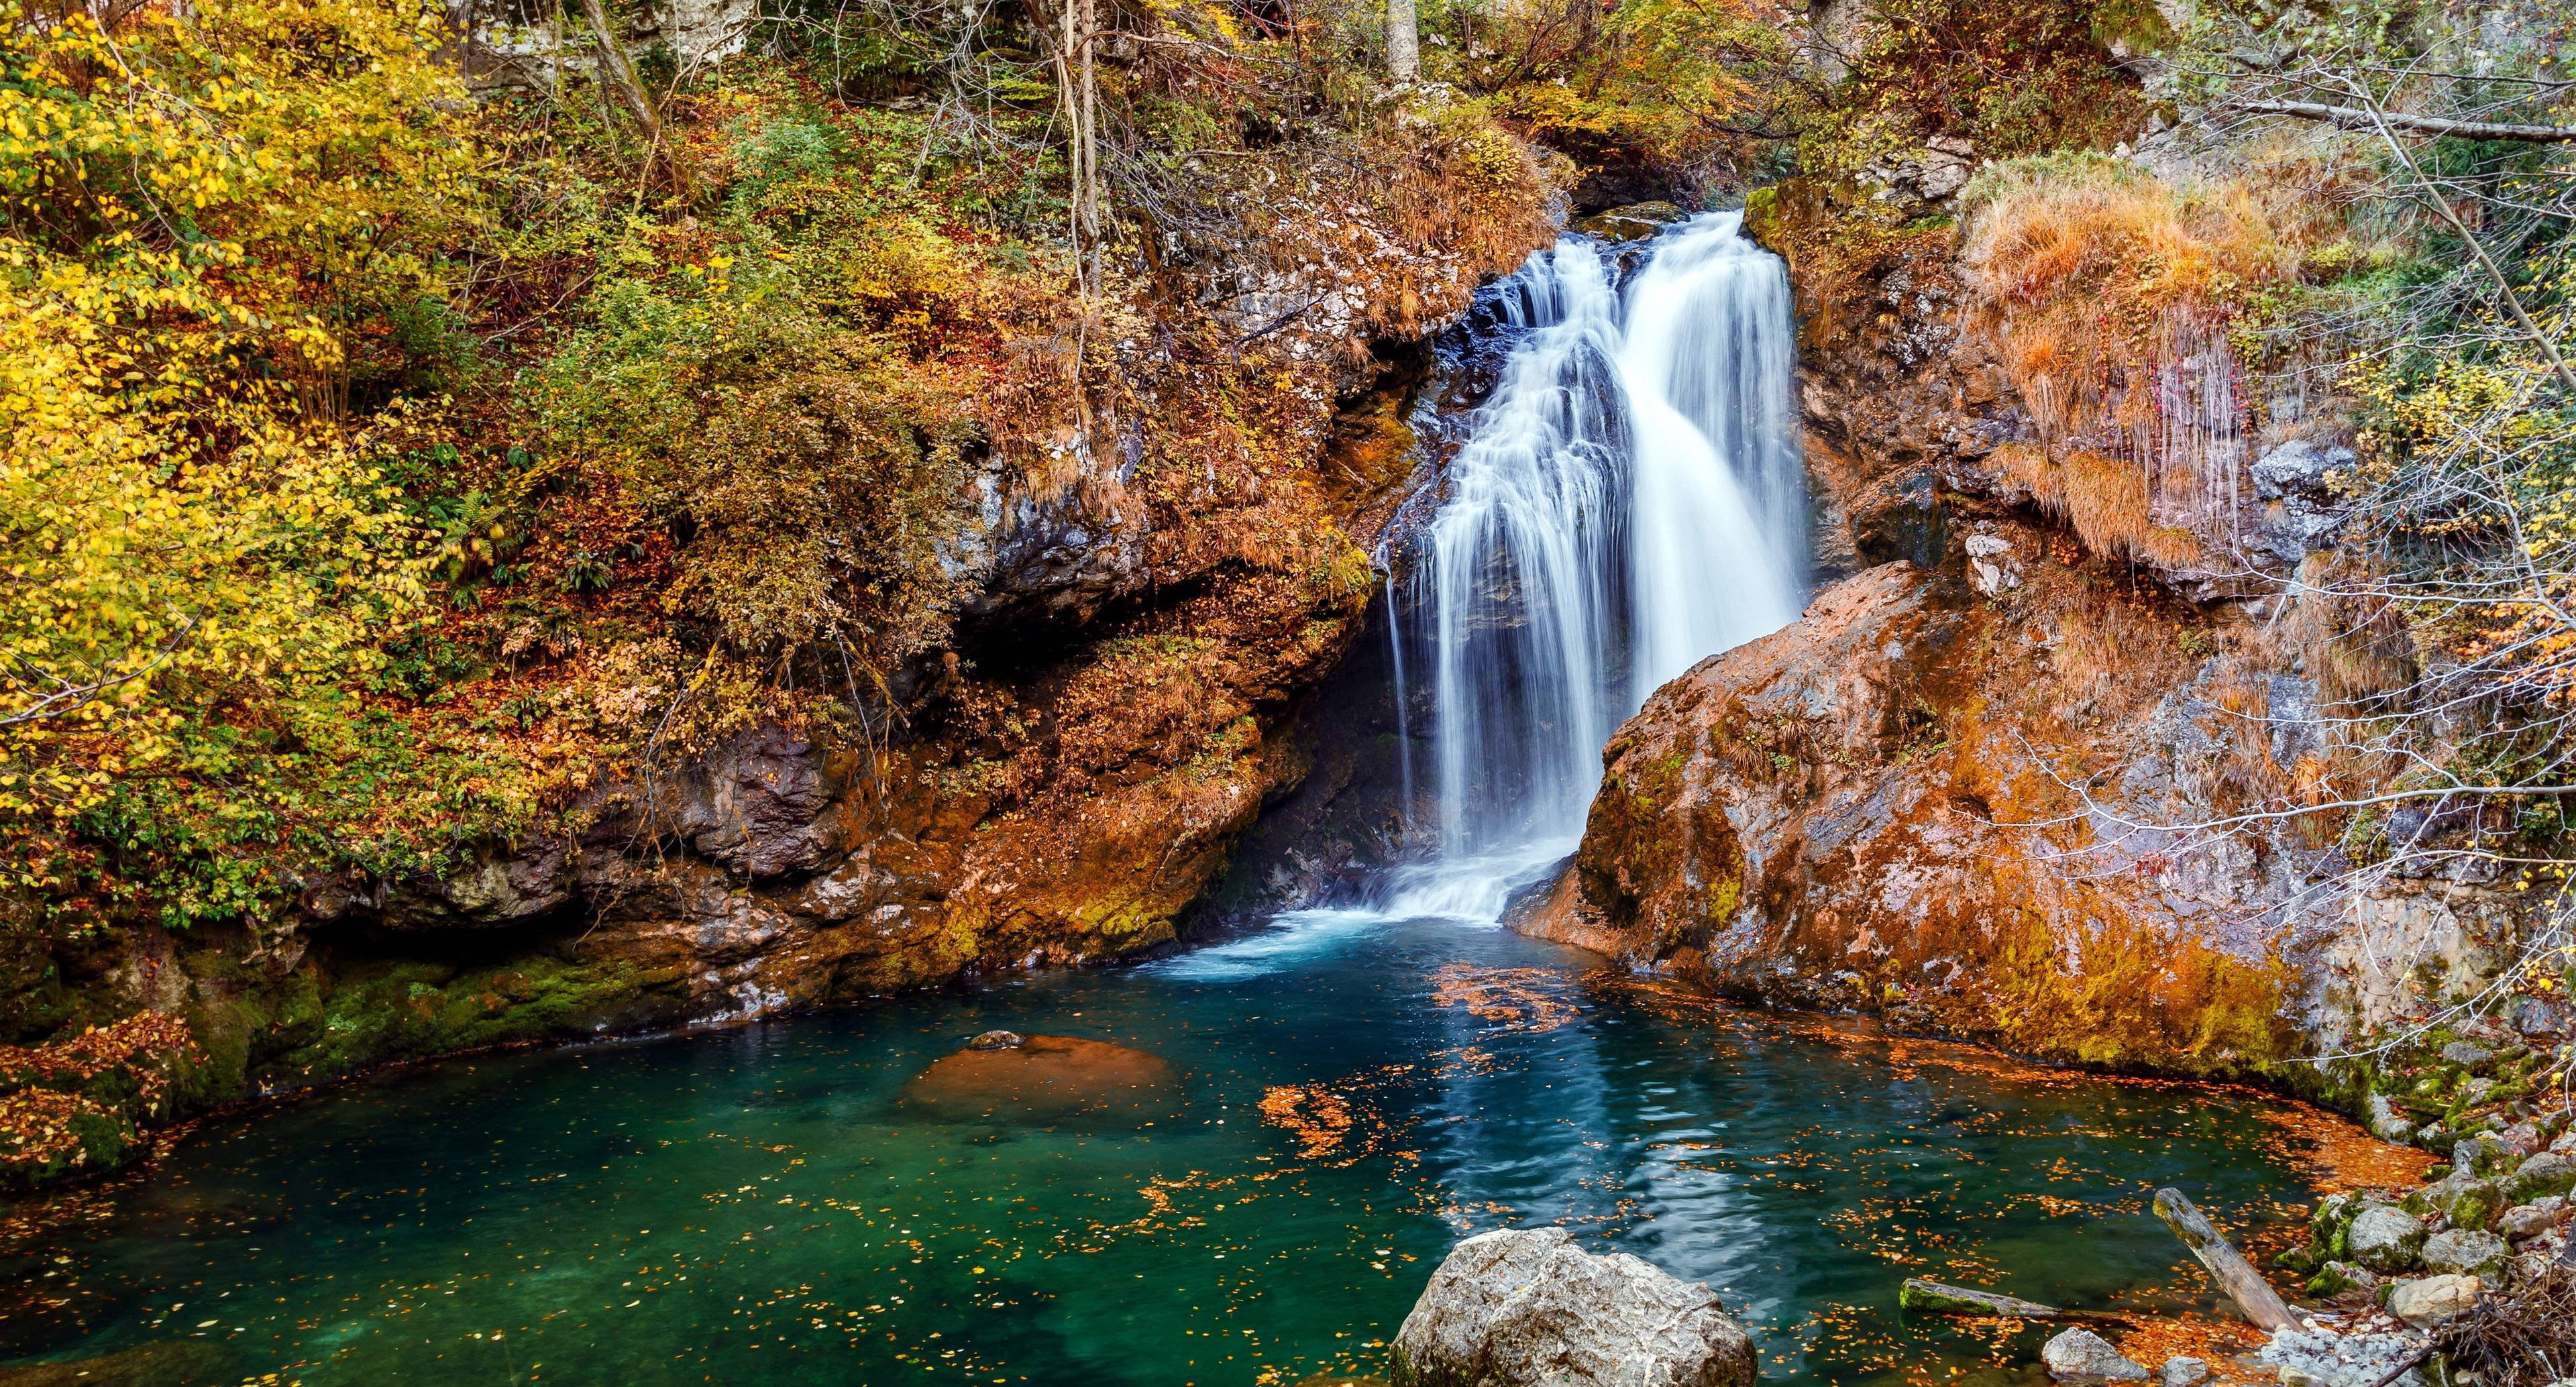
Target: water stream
pixel 1271 1141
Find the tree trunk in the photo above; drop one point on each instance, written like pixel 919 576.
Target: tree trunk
pixel 1403 42
pixel 1091 146
pixel 2226 1265
pixel 620 74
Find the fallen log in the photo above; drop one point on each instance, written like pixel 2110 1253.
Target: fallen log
pixel 1942 1298
pixel 2225 1264
pixel 1919 1294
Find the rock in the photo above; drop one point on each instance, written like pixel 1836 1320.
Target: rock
pixel 2533 1219
pixel 1992 569
pixel 2182 1371
pixel 2477 1155
pixel 2465 1252
pixel 996 1040
pixel 2431 1300
pixel 2466 1202
pixel 1525 1307
pixel 2519 1140
pixel 1046 1078
pixel 1638 221
pixel 2537 1016
pixel 2327 1359
pixel 2084 1357
pixel 2385 1122
pixel 2299 514
pixel 2550 1172
pixel 2468 1054
pixel 2335 1278
pixel 2385 1239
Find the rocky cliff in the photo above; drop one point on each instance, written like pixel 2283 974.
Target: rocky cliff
pixel 1973 786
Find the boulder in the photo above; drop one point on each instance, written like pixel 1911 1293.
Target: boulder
pixel 2465 1252
pixel 2182 1371
pixel 2465 1201
pixel 1525 1307
pixel 2084 1357
pixel 2335 1278
pixel 2545 1174
pixel 2430 1300
pixel 2466 1053
pixel 2385 1239
pixel 2480 1155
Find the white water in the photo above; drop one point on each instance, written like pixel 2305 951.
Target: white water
pixel 1629 502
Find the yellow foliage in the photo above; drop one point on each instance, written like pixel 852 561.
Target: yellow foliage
pixel 186 533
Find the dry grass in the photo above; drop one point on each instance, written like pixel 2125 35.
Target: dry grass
pixel 2109 297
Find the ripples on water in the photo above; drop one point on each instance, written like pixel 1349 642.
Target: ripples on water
pixel 758 1206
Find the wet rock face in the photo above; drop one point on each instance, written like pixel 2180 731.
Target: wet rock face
pixel 1526 1308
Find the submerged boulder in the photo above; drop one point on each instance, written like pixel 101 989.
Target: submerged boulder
pixel 1042 1078
pixel 1525 1307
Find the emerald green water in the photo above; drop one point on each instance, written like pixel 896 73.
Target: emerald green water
pixel 758 1205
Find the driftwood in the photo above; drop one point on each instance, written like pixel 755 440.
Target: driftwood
pixel 1941 1298
pixel 1919 1294
pixel 2226 1265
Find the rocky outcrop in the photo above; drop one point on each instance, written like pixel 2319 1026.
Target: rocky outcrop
pixel 1944 797
pixel 1527 1308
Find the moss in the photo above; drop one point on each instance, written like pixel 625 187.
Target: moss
pixel 2138 1000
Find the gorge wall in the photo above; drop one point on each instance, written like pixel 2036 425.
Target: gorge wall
pixel 1971 788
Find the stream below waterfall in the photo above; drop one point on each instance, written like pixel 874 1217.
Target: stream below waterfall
pixel 1247 1158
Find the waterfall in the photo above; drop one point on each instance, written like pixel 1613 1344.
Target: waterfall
pixel 1628 502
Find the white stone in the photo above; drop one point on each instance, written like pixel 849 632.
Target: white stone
pixel 2180 1371
pixel 2083 1357
pixel 2430 1300
pixel 1524 1307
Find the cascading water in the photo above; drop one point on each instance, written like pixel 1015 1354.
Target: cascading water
pixel 1628 502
